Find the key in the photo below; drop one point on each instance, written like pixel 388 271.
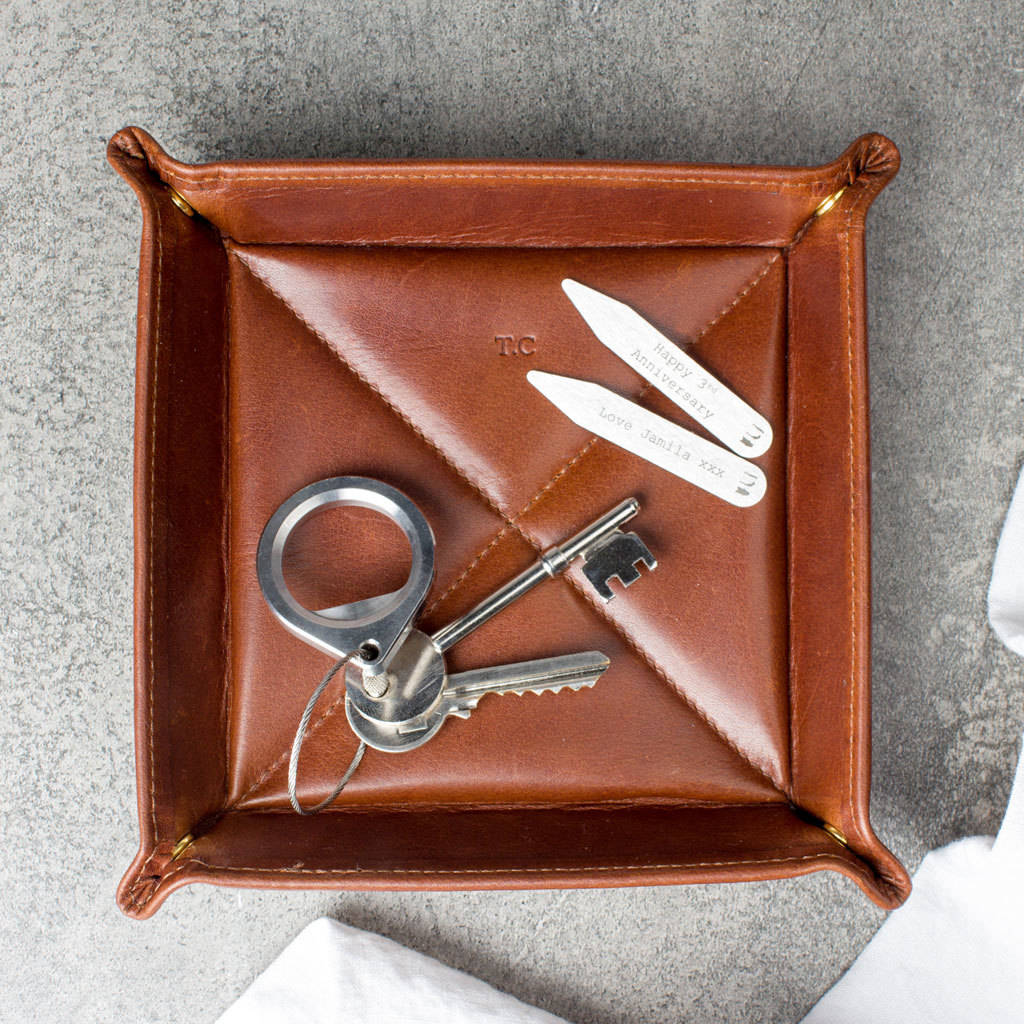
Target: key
pixel 463 690
pixel 459 694
pixel 605 557
pixel 404 706
pixel 397 689
pixel 420 695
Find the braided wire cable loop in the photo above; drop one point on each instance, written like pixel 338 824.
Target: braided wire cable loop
pixel 300 735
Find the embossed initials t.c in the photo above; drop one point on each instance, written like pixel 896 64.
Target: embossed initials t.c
pixel 511 346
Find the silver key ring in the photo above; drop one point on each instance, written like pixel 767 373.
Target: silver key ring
pixel 371 631
pixel 398 691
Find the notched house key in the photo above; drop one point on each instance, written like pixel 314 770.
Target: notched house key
pixel 398 691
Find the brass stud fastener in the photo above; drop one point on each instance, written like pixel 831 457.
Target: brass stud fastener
pixel 835 833
pixel 182 845
pixel 812 819
pixel 180 202
pixel 826 204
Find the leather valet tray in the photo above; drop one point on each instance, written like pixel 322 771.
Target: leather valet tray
pixel 301 320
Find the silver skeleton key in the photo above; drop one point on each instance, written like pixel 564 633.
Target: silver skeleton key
pixel 404 706
pixel 604 557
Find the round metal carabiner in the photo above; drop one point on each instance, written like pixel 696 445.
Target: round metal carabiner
pixel 369 631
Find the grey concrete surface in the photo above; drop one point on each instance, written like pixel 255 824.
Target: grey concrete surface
pixel 743 82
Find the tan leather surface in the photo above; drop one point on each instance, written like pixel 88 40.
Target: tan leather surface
pixel 329 319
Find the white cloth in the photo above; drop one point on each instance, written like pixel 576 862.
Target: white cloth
pixel 954 953
pixel 1006 592
pixel 331 973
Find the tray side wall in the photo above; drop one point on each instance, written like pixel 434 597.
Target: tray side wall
pixel 828 487
pixel 179 498
pixel 515 848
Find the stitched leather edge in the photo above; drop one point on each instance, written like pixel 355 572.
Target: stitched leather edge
pixel 196 869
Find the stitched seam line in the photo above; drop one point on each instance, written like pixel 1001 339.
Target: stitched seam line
pixel 867 189
pixel 526 508
pixel 754 282
pixel 267 772
pixel 791 682
pixel 469 568
pixel 854 675
pixel 852 555
pixel 191 862
pixel 130 894
pixel 153 499
pixel 152 505
pixel 223 869
pixel 568 177
pixel 667 803
pixel 527 241
pixel 521 870
pixel 685 697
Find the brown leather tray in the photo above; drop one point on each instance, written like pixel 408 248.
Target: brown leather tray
pixel 310 319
